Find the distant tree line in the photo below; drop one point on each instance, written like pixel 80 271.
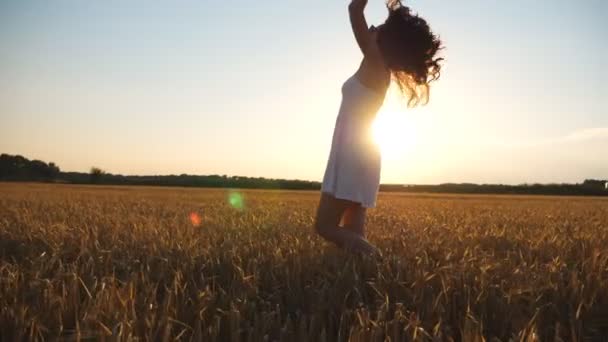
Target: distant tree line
pixel 18 168
pixel 98 176
pixel 589 187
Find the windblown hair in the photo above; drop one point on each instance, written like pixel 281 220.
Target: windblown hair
pixel 408 47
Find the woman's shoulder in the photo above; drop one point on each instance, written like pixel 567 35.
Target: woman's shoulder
pixel 373 77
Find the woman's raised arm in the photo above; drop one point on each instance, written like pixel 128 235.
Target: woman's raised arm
pixel 359 24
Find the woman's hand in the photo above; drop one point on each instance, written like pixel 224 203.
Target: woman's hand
pixel 357 4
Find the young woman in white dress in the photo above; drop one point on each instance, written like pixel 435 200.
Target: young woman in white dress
pixel 402 49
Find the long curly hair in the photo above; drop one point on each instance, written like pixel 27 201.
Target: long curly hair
pixel 409 48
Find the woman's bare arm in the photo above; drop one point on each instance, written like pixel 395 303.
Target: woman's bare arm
pixel 359 24
pixel 364 37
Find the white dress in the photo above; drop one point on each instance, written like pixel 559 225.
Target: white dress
pixel 353 168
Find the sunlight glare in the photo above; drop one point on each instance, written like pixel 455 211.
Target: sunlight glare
pixel 393 132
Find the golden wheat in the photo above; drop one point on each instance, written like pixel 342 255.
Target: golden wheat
pixel 130 263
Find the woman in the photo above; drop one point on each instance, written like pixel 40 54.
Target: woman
pixel 402 49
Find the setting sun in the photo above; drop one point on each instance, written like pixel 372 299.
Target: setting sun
pixel 393 132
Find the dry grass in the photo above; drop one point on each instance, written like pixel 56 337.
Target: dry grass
pixel 128 263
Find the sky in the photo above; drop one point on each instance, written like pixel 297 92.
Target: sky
pixel 253 89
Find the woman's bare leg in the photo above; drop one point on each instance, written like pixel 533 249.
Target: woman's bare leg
pixel 329 214
pixel 353 219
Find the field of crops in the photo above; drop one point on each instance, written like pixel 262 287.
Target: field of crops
pixel 130 263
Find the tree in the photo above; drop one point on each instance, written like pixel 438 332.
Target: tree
pixel 53 171
pixel 96 174
pixel 18 168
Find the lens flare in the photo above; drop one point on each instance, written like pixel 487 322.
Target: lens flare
pixel 235 199
pixel 195 219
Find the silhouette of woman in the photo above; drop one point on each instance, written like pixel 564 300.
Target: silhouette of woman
pixel 402 49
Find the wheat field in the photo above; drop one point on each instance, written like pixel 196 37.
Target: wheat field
pixel 148 264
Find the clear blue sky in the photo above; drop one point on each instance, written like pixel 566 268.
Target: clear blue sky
pixel 252 88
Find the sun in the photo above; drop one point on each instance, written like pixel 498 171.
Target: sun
pixel 393 132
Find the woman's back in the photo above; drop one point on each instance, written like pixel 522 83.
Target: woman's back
pixel 353 167
pixel 359 100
